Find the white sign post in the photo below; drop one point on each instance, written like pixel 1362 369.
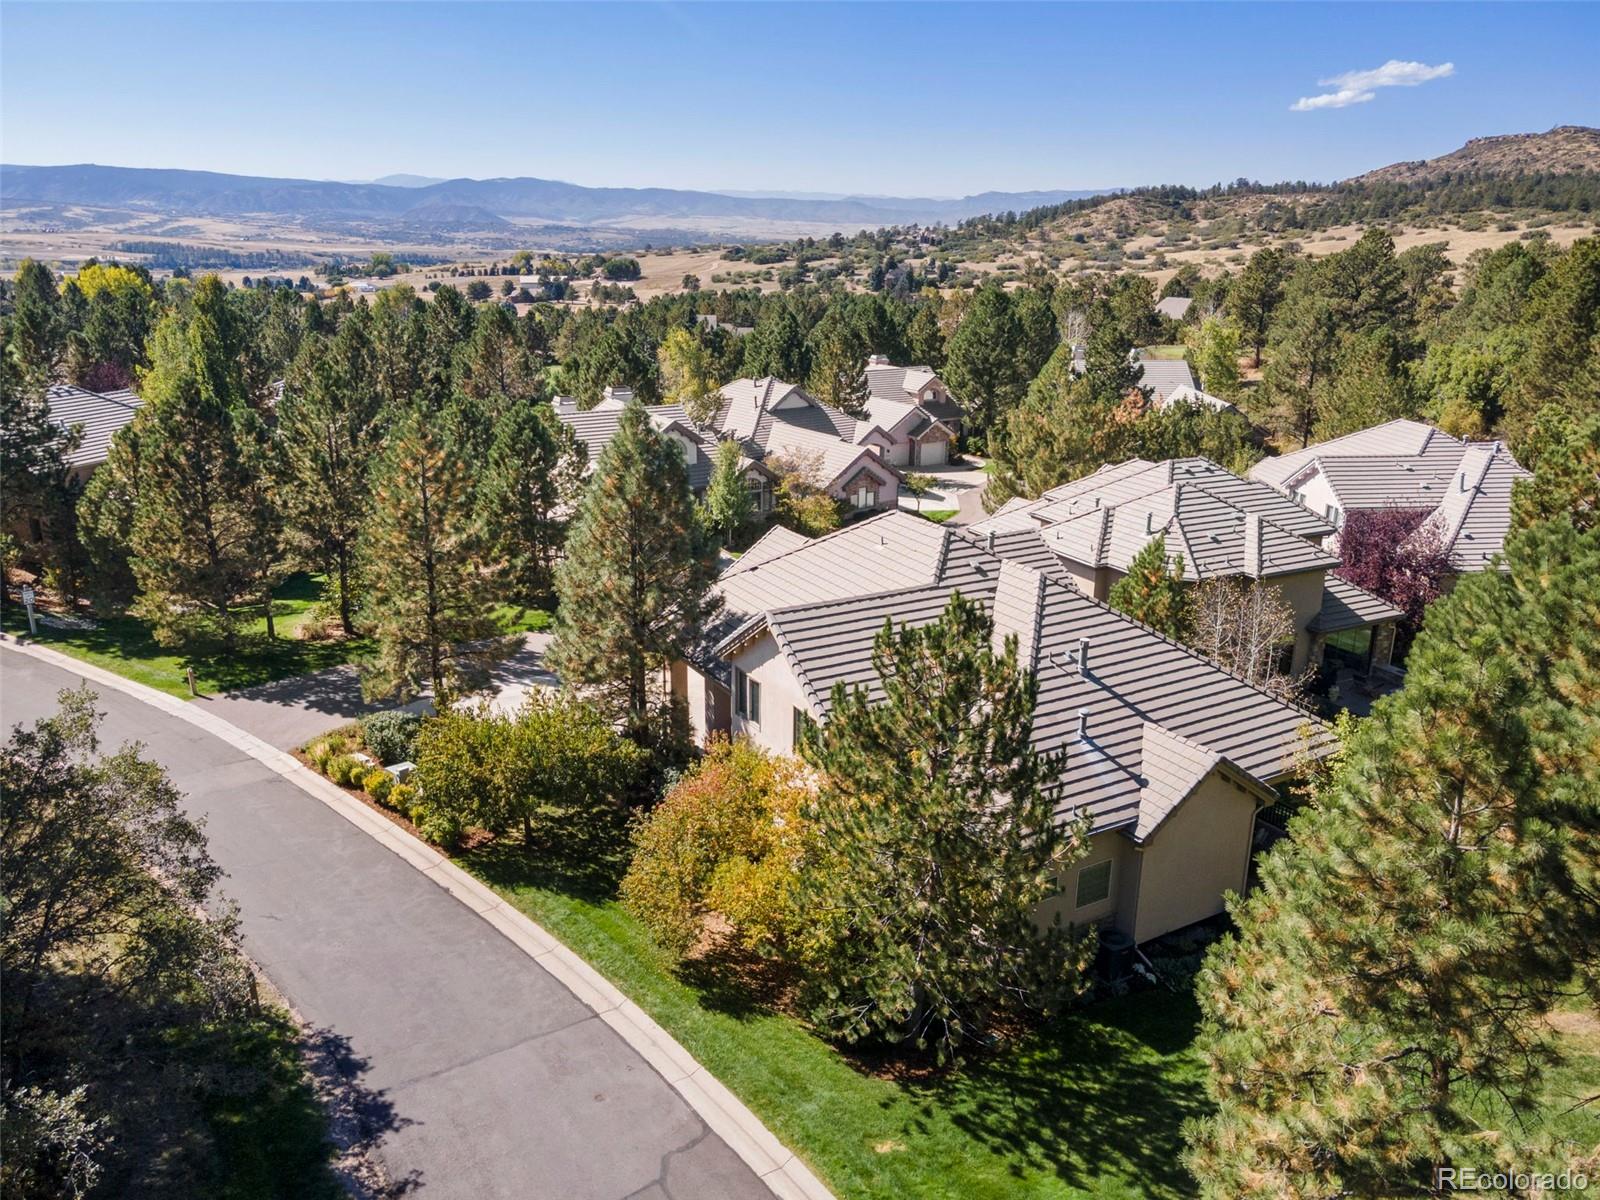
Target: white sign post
pixel 27 603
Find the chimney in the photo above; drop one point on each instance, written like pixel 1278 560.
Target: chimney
pixel 1252 545
pixel 622 395
pixel 1083 724
pixel 1083 656
pixel 877 360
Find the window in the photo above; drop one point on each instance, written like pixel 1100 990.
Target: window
pixel 865 497
pixel 802 722
pixel 1094 884
pixel 746 697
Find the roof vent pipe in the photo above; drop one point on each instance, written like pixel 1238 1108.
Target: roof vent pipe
pixel 1150 522
pixel 1083 655
pixel 1083 724
pixel 1463 481
pixel 988 541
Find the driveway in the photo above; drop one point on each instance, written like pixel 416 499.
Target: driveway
pixel 958 486
pixel 290 712
pixel 484 1075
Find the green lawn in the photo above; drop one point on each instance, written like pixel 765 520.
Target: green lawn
pixel 938 515
pixel 1162 353
pixel 1091 1107
pixel 125 645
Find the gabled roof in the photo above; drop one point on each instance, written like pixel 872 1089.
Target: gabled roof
pixel 823 603
pixel 904 385
pixel 1221 524
pixel 1163 376
pixel 595 427
pixel 1395 439
pixel 1174 306
pixel 1474 515
pixel 1184 394
pixel 98 414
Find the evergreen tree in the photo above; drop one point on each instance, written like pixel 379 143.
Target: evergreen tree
pixel 39 325
pixel 105 514
pixel 1153 590
pixel 1382 1009
pixel 328 427
pixel 728 502
pixel 497 361
pixel 1039 333
pixel 203 539
pixel 633 585
pixel 1563 452
pixel 1108 366
pixel 426 599
pixel 1561 329
pixel 924 338
pixel 533 476
pixel 777 346
pixel 32 449
pixel 1059 433
pixel 936 840
pixel 1371 384
pixel 983 360
pixel 838 355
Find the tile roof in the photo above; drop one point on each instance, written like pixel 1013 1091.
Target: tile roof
pixel 825 601
pixel 888 384
pixel 595 427
pixel 1474 515
pixel 1162 376
pixel 1395 438
pixel 1206 513
pixel 98 415
pixel 1345 606
pixel 1184 394
pixel 1174 306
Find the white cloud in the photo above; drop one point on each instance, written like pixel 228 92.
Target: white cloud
pixel 1358 87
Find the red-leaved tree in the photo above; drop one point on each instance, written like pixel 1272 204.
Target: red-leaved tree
pixel 1389 553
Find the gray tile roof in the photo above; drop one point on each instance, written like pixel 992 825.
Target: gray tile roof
pixel 824 602
pixel 1206 513
pixel 595 427
pixel 1474 515
pixel 1174 306
pixel 1163 376
pixel 97 414
pixel 1195 397
pixel 1397 439
pixel 1345 606
pixel 887 384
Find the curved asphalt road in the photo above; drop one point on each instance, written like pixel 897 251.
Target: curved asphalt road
pixel 492 1078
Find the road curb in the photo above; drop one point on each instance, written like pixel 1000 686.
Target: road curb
pixel 727 1116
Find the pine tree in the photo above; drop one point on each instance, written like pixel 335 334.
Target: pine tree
pixel 1563 452
pixel 39 325
pixel 328 434
pixel 777 346
pixel 936 840
pixel 982 360
pixel 203 540
pixel 924 338
pixel 728 503
pixel 1381 1011
pixel 497 361
pixel 427 599
pixel 838 356
pixel 533 476
pixel 633 585
pixel 1153 590
pixel 32 448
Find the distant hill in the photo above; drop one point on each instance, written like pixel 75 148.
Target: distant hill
pixel 1565 150
pixel 180 193
pixel 406 180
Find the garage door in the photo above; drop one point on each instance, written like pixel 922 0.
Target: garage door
pixel 935 454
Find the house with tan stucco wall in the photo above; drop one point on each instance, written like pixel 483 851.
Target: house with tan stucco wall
pixel 1168 755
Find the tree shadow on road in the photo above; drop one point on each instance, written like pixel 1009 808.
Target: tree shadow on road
pixel 358 1118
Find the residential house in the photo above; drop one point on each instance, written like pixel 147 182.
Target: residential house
pixel 1465 487
pixel 913 407
pixel 1221 526
pixel 1184 394
pixel 1164 376
pixel 96 417
pixel 1168 755
pixel 1173 307
pixel 596 426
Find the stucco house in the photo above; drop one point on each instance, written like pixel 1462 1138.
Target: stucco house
pixel 1465 487
pixel 912 406
pixel 1170 756
pixel 96 415
pixel 1222 526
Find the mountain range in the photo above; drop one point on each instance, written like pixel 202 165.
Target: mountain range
pixel 490 203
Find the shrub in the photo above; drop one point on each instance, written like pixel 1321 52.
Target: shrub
pixel 441 828
pixel 346 770
pixel 727 839
pixel 391 736
pixel 377 783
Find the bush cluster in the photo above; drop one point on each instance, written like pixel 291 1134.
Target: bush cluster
pixel 391 736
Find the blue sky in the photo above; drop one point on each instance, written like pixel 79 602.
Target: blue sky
pixel 904 98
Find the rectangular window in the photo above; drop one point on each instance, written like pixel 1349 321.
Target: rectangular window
pixel 740 702
pixel 802 722
pixel 1094 884
pixel 754 700
pixel 865 498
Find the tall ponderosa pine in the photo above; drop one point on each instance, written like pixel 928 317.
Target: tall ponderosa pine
pixel 1382 1009
pixel 1153 590
pixel 777 346
pixel 1563 452
pixel 533 476
pixel 328 436
pixel 32 450
pixel 39 325
pixel 936 840
pixel 983 360
pixel 838 355
pixel 204 539
pixel 427 600
pixel 1058 433
pixel 639 561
